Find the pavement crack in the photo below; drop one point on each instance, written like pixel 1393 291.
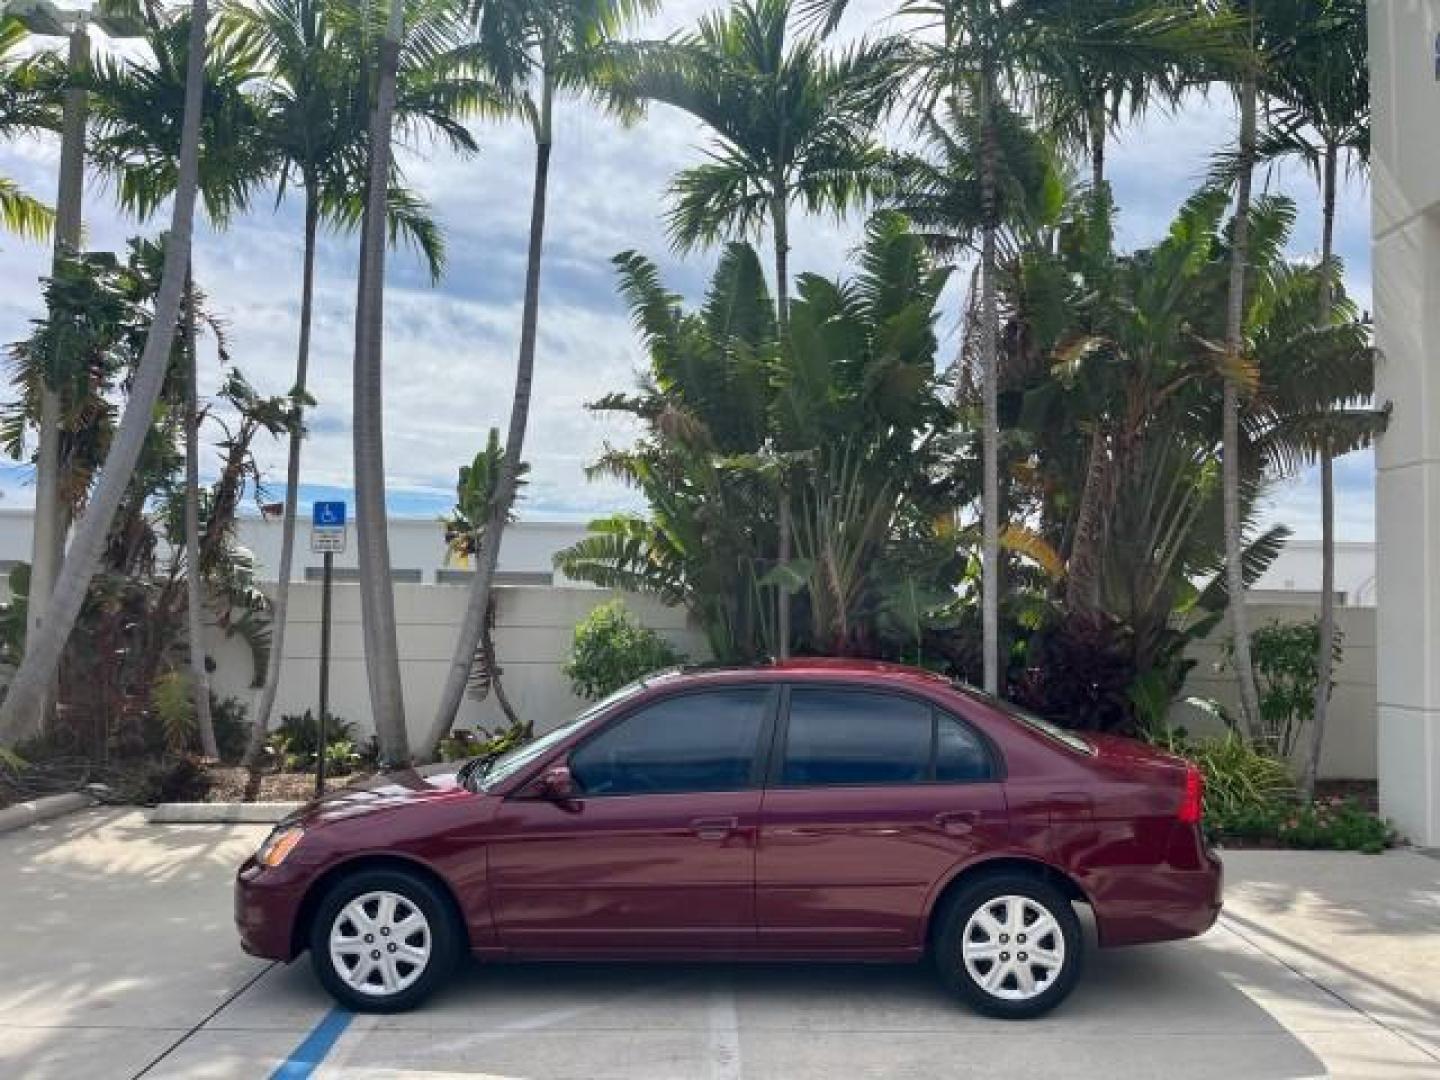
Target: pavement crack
pixel 205 1020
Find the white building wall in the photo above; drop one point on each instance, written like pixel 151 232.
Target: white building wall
pixel 1405 184
pixel 534 630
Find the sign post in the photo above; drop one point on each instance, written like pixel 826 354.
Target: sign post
pixel 327 536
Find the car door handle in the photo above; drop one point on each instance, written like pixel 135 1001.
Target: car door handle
pixel 714 828
pixel 957 821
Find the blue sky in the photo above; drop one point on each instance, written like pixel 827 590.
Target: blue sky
pixel 450 349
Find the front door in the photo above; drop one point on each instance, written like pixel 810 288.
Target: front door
pixel 875 798
pixel 658 851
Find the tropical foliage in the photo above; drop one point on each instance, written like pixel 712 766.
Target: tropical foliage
pixel 1055 501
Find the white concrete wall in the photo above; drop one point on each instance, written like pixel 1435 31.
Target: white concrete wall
pixel 534 628
pixel 1405 185
pixel 1349 751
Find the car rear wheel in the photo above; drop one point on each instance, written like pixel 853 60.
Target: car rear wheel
pixel 1010 946
pixel 383 940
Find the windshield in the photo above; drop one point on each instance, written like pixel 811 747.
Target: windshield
pixel 512 761
pixel 1030 720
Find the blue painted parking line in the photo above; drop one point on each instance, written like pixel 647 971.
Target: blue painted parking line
pixel 306 1057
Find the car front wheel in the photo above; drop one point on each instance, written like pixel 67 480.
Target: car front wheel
pixel 382 940
pixel 1010 945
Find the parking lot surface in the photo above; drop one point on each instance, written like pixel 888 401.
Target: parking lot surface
pixel 120 960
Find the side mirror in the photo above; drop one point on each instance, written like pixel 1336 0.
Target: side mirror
pixel 559 786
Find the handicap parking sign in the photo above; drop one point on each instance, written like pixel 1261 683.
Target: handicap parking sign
pixel 328 515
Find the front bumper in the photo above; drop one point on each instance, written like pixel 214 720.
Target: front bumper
pixel 267 904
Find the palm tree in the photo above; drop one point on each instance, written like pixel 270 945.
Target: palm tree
pixel 1322 116
pixel 435 38
pixel 136 142
pixel 1267 32
pixel 20 709
pixel 312 93
pixel 534 51
pixel 25 109
pixel 790 123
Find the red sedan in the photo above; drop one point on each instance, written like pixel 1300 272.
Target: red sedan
pixel 811 809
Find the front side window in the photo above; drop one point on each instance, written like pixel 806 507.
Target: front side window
pixel 852 737
pixel 691 742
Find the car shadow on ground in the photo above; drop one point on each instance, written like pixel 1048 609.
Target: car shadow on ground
pixel 1171 1010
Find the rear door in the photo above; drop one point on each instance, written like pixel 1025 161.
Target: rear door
pixel 658 851
pixel 873 797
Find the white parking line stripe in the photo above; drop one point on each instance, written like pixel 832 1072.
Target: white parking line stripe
pixel 724 1033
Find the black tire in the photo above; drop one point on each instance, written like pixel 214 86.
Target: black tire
pixel 958 976
pixel 411 889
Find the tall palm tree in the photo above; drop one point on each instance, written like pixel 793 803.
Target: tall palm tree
pixel 25 108
pixel 136 142
pixel 1321 116
pixel 20 709
pixel 313 94
pixel 534 52
pixel 1267 31
pixel 790 123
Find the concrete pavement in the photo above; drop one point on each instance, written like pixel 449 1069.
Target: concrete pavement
pixel 119 961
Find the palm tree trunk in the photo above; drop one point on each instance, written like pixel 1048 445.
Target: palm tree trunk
pixel 20 710
pixel 1230 435
pixel 194 580
pixel 377 589
pixel 478 605
pixel 280 606
pixel 989 360
pixel 497 683
pixel 1325 659
pixel 784 525
pixel 48 547
pixel 1097 151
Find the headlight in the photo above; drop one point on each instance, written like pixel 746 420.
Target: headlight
pixel 278 845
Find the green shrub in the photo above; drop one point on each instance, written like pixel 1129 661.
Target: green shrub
pixel 1285 658
pixel 611 649
pixel 463 743
pixel 294 743
pixel 175 710
pixel 179 779
pixel 1338 824
pixel 1238 777
pixel 232 729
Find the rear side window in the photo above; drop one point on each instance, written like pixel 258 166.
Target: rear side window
pixel 837 737
pixel 853 737
pixel 692 742
pixel 961 756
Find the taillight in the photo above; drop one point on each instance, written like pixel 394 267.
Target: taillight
pixel 1192 805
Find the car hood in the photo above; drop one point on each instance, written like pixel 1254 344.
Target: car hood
pixel 385 792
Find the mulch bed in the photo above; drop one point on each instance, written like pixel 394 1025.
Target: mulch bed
pixel 231 783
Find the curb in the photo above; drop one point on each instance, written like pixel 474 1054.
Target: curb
pixel 192 813
pixel 43 809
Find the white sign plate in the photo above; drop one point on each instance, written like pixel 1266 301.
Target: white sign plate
pixel 327 541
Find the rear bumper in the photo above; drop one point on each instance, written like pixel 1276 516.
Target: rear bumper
pixel 1159 903
pixel 267 903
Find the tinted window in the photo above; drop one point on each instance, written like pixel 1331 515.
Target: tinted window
pixel 694 742
pixel 850 737
pixel 960 754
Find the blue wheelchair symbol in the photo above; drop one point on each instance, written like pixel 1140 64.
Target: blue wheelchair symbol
pixel 329 515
